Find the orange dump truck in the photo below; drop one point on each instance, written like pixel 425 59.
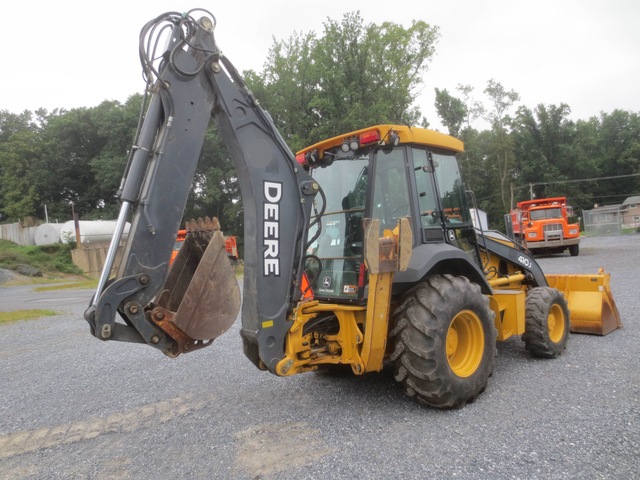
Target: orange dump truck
pixel 543 226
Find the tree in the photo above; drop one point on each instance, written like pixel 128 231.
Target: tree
pixel 19 194
pixel 501 149
pixel 475 109
pixel 70 141
pixel 355 74
pixel 370 73
pixel 548 152
pixel 20 150
pixel 480 173
pixel 618 153
pixel 287 85
pixel 11 123
pixel 536 146
pixel 215 190
pixel 84 151
pixel 116 125
pixel 451 110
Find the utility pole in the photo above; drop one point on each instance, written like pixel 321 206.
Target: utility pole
pixel 76 224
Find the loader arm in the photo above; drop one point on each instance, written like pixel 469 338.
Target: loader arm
pixel 495 243
pixel 194 81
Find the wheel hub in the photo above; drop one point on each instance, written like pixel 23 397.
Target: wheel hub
pixel 465 343
pixel 555 323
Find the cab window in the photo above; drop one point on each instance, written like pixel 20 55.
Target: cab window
pixel 391 188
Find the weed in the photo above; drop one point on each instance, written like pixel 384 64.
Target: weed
pixel 17 315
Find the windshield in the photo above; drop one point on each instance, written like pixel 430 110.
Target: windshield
pixel 545 213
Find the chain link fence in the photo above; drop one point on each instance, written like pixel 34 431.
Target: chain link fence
pixel 603 221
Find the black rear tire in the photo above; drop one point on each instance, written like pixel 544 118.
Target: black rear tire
pixel 547 322
pixel 444 342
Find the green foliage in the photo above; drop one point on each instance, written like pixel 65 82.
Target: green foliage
pixel 501 148
pixel 541 152
pixel 50 259
pixel 618 152
pixel 557 152
pixel 538 143
pixel 20 149
pixel 451 110
pixel 19 192
pixel 547 153
pixel 116 124
pixel 215 191
pixel 90 284
pixel 287 85
pixel 354 75
pixel 17 315
pixel 65 157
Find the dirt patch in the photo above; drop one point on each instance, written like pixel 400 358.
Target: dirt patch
pixel 272 448
pixel 147 416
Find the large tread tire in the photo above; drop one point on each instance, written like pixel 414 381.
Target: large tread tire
pixel 574 250
pixel 547 322
pixel 425 360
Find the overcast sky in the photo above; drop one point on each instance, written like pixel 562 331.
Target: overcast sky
pixel 586 53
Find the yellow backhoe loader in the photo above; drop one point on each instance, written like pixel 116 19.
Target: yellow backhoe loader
pixel 359 251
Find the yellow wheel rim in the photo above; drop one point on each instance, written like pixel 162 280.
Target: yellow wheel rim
pixel 465 343
pixel 555 323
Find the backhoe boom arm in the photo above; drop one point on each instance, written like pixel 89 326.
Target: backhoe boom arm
pixel 194 82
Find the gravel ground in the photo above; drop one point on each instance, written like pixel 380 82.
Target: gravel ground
pixel 74 407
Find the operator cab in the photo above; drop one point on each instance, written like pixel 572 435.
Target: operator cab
pixel 385 173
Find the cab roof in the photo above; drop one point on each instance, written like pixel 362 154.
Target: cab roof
pixel 407 135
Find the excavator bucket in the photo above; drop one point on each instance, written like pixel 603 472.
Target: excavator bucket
pixel 592 308
pixel 201 295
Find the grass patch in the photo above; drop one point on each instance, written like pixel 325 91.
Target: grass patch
pixel 88 284
pixel 17 315
pixel 51 260
pixel 238 268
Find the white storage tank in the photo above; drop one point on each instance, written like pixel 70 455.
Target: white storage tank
pixel 91 231
pixel 47 233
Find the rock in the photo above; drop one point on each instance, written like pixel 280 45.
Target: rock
pixel 28 270
pixel 6 275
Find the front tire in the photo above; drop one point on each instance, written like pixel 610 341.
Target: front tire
pixel 444 342
pixel 574 250
pixel 547 322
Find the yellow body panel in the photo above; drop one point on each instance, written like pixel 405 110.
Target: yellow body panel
pixel 591 304
pixel 421 136
pixel 509 309
pixel 377 327
pixel 341 348
pixel 497 270
pixel 361 340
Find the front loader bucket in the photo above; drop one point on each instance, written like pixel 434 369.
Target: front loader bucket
pixel 592 308
pixel 201 295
